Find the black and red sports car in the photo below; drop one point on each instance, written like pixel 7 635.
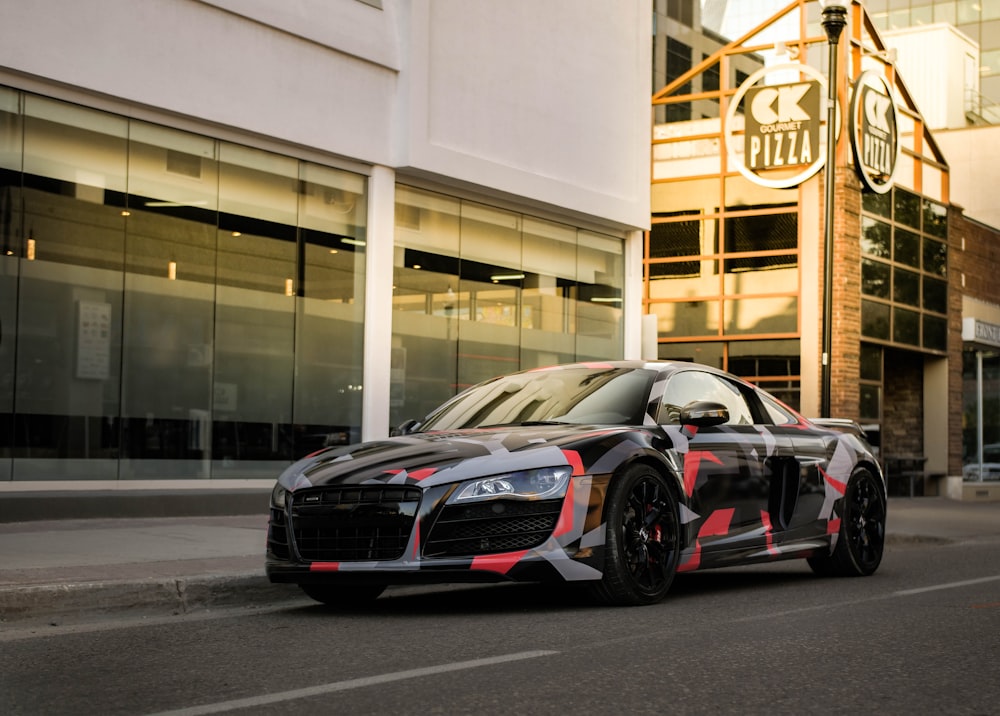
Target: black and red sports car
pixel 614 475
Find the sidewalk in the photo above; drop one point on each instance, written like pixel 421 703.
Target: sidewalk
pixel 54 570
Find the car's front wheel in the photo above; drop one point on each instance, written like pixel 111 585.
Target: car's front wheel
pixel 861 538
pixel 642 544
pixel 343 596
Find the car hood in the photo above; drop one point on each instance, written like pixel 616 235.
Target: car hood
pixel 436 458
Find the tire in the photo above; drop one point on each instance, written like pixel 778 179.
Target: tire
pixel 861 539
pixel 642 541
pixel 338 596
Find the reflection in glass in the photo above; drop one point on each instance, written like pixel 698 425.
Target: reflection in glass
pixel 935 295
pixel 935 219
pixel 707 353
pixel 875 237
pixel 761 315
pixel 935 333
pixel 682 319
pixel 935 257
pixel 871 362
pixel 906 248
pixel 906 287
pixel 69 302
pixel 907 207
pixel 875 320
pixel 906 326
pixel 255 315
pixel 875 277
pixel 880 204
pixel 332 210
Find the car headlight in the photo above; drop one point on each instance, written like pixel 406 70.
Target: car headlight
pixel 546 483
pixel 279 496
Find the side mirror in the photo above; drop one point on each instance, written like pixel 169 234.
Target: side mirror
pixel 704 413
pixel 406 427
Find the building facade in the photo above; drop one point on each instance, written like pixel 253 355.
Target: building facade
pixel 236 231
pixel 734 262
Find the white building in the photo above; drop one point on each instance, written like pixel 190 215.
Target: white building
pixel 236 229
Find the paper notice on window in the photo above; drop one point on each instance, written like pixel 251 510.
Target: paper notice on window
pixel 93 340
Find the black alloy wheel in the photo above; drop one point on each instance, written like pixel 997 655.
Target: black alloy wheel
pixel 861 540
pixel 642 541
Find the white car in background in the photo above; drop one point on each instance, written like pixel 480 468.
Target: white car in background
pixel 991 465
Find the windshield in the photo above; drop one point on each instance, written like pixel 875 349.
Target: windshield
pixel 578 394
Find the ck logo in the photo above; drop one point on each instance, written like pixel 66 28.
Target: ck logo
pixel 877 108
pixel 771 105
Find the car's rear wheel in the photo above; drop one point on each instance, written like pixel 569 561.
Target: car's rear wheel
pixel 343 596
pixel 642 540
pixel 861 539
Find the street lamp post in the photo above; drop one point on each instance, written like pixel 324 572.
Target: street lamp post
pixel 833 22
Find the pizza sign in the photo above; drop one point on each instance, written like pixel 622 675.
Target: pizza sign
pixel 874 132
pixel 781 125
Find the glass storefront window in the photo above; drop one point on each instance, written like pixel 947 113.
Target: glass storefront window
pixel 181 307
pixel 11 250
pixel 480 291
pixel 69 305
pixel 255 314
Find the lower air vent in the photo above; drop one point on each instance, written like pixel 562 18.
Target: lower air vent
pixel 490 527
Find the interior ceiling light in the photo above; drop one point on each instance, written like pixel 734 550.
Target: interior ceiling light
pixel 506 277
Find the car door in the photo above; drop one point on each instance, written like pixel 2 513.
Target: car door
pixel 731 471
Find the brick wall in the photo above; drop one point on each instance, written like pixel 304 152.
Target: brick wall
pixel 903 403
pixel 845 348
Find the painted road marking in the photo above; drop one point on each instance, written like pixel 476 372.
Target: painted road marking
pixel 950 585
pixel 265 699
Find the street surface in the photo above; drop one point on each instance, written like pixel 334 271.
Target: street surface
pixel 922 636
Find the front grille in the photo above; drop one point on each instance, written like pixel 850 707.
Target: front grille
pixel 345 524
pixel 490 527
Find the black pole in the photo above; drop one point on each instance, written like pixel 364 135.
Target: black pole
pixel 833 22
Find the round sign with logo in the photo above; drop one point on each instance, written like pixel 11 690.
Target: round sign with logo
pixel 874 131
pixel 782 126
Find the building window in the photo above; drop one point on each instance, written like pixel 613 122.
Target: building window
pixel 678 62
pixel 682 11
pixel 904 269
pixel 710 79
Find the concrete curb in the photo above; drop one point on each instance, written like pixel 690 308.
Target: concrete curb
pixel 175 595
pixel 186 594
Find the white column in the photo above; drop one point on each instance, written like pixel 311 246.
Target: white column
pixel 632 297
pixel 378 302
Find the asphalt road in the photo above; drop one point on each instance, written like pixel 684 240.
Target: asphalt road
pixel 922 636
